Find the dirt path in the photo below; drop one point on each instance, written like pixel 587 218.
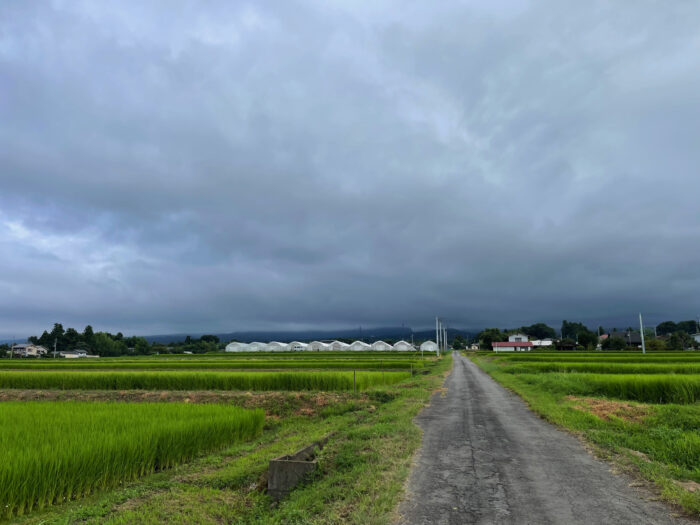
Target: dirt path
pixel 487 459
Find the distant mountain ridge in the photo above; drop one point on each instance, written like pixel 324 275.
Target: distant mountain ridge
pixel 370 334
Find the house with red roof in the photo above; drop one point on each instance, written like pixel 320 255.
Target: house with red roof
pixel 515 343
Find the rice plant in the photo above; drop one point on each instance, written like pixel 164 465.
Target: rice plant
pixel 51 452
pixel 653 388
pixel 197 380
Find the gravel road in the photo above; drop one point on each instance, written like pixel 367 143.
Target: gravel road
pixel 486 458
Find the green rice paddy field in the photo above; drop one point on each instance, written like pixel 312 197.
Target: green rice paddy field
pixel 643 411
pixel 56 452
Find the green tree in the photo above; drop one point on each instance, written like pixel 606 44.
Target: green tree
pixel 539 331
pixel 656 344
pixel 57 336
pixel 588 339
pixel 88 336
pixel 614 343
pixel 459 342
pixel 209 339
pixel 141 346
pixel 679 340
pixel 667 327
pixel 106 346
pixel 689 327
pixel 71 338
pixel 489 336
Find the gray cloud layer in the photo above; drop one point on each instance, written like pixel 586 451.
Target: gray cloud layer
pixel 190 166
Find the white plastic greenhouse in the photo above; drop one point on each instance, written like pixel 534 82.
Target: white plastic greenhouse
pixel 359 346
pixel 381 346
pixel 429 346
pixel 403 346
pixel 237 347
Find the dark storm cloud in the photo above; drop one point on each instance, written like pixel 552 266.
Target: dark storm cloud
pixel 186 167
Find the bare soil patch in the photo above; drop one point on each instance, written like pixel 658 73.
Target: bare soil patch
pixel 275 404
pixel 605 408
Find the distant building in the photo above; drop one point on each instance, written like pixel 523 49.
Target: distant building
pixel 429 346
pixel 76 354
pixel 403 346
pixel 296 346
pixel 29 350
pixel 276 346
pixel 337 346
pixel 237 347
pixel 359 346
pixel 381 346
pixel 318 346
pixel 517 338
pixel 256 346
pixel 512 346
pixel 542 342
pixel 474 346
pixel 696 337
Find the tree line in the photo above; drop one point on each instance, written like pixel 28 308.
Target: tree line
pixel 106 344
pixel 673 336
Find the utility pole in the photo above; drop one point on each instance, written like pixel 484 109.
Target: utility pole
pixel 641 331
pixel 436 333
pixel 55 339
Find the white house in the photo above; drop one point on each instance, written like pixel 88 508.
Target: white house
pixel 474 346
pixel 429 346
pixel 542 342
pixel 403 346
pixel 318 346
pixel 337 346
pixel 381 346
pixel 256 346
pixel 359 346
pixel 696 337
pixel 512 346
pixel 29 350
pixel 517 338
pixel 276 346
pixel 237 347
pixel 296 346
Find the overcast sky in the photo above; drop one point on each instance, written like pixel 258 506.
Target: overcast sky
pixel 219 166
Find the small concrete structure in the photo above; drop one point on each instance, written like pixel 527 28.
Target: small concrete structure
pixel 286 472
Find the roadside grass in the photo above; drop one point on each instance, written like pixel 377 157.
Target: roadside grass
pixel 361 476
pixel 658 441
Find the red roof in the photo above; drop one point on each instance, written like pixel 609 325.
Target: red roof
pixel 514 343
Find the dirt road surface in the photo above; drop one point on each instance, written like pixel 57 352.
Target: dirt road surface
pixel 487 459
